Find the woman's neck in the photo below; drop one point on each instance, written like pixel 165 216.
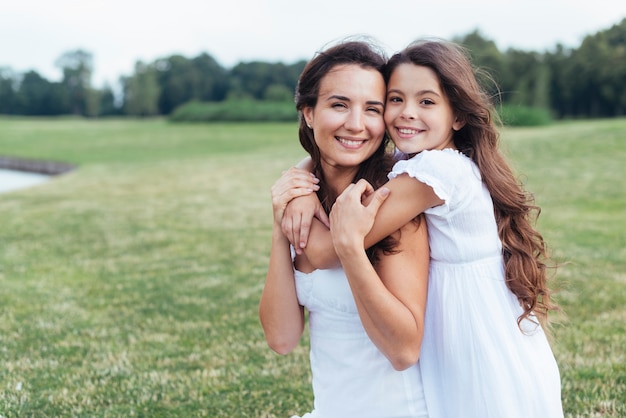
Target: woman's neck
pixel 337 179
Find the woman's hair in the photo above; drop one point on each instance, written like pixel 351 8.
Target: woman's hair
pixel 349 52
pixel 525 251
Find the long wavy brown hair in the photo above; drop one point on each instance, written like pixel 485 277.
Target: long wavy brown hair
pixel 364 53
pixel 524 249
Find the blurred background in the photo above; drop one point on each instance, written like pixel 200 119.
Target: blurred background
pixel 152 58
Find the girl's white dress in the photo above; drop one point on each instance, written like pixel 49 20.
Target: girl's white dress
pixel 351 377
pixel 475 361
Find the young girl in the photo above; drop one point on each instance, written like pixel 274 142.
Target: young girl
pixel 484 351
pixel 365 319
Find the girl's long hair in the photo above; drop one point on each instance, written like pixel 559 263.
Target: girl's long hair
pixel 524 249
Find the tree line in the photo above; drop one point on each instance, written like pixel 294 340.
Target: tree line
pixel 583 82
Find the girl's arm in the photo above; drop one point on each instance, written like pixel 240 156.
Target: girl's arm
pixel 408 198
pixel 301 211
pixel 391 298
pixel 282 317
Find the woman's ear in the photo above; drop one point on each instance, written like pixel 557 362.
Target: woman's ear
pixel 307 112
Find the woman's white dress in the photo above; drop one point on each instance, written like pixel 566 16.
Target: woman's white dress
pixel 351 377
pixel 475 361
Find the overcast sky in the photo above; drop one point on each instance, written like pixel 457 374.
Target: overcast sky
pixel 34 33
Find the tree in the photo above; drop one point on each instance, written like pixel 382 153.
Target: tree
pixel 255 78
pixel 141 91
pixel 212 81
pixel 560 84
pixel 182 80
pixel 77 67
pixel 108 106
pixel 37 96
pixel 8 99
pixel 487 59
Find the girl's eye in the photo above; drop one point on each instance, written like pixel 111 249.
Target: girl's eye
pixel 394 99
pixel 427 102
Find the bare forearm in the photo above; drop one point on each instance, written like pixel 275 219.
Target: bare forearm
pixel 320 250
pixel 281 315
pixel 407 199
pixel 389 323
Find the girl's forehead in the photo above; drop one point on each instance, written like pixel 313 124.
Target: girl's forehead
pixel 414 77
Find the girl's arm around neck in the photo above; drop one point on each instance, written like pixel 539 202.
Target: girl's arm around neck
pixel 408 198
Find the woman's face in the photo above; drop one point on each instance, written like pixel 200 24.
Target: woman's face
pixel 347 120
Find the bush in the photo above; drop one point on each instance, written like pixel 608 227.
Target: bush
pixel 513 115
pixel 235 111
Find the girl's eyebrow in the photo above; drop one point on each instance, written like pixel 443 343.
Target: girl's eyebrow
pixel 419 93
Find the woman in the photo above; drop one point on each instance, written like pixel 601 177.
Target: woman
pixel 366 319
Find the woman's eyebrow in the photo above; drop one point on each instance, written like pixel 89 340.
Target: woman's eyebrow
pixel 347 99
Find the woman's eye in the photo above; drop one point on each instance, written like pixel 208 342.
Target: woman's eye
pixel 375 110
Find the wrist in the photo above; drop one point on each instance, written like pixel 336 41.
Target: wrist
pixel 349 249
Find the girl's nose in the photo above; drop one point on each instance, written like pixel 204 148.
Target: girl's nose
pixel 409 111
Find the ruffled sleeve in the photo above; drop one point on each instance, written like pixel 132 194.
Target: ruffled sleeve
pixel 443 170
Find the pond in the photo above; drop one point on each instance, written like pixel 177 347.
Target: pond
pixel 19 173
pixel 14 180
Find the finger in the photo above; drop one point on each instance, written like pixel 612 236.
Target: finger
pixel 286 227
pixel 305 228
pixel 364 187
pixel 322 216
pixel 356 191
pixel 297 225
pixel 378 198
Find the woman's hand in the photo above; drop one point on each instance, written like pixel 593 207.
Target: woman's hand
pixel 350 219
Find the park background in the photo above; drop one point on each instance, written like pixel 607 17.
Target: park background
pixel 131 282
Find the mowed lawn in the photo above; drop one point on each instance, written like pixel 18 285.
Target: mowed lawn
pixel 129 287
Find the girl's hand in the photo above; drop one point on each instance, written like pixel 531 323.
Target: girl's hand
pixel 292 183
pixel 297 219
pixel 350 219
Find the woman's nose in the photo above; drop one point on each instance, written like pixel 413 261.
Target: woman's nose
pixel 354 121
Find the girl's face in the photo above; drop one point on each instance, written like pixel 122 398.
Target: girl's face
pixel 418 115
pixel 347 120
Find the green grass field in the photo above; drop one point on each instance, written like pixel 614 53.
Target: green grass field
pixel 130 285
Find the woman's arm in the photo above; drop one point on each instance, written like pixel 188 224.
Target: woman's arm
pixel 391 298
pixel 281 315
pixel 408 198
